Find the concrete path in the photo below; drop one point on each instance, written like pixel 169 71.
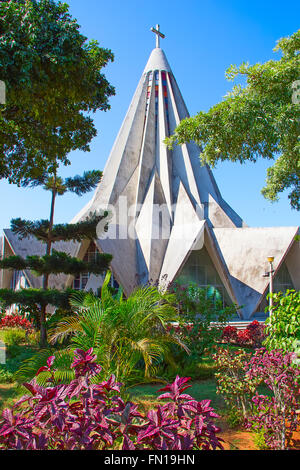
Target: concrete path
pixel 2 353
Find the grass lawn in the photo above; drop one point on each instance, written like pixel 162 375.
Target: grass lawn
pixel 2 333
pixel 10 391
pixel 147 394
pixel 9 394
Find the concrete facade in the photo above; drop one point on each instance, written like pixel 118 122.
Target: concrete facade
pixel 167 209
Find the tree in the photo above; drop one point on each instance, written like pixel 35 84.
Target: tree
pixel 283 324
pixel 123 333
pixel 53 80
pixel 258 120
pixel 54 262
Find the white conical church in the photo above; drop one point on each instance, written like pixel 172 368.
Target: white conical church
pixel 168 218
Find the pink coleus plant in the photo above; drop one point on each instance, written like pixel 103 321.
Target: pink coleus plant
pixel 93 416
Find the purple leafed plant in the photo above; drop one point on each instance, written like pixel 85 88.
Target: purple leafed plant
pixel 275 415
pixel 93 416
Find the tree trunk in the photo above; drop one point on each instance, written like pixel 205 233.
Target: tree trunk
pixel 283 431
pixel 43 329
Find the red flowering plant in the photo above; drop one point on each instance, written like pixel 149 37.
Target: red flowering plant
pixel 244 337
pixel 15 321
pixel 256 333
pixel 253 335
pixel 276 415
pixel 236 387
pixel 86 414
pixel 230 334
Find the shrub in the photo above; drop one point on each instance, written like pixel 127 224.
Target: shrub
pixel 234 418
pixel 230 334
pixel 128 335
pixel 15 321
pixel 275 416
pixel 196 370
pixel 253 335
pixel 236 387
pixel 87 415
pixel 6 376
pixel 283 325
pixel 259 440
pixel 244 338
pixel 203 317
pixel 14 337
pixel 256 332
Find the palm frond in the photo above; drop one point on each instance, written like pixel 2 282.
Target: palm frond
pixel 62 362
pixel 124 332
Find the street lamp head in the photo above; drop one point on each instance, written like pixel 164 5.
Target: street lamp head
pixel 270 259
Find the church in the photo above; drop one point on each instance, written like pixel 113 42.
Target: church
pixel 167 218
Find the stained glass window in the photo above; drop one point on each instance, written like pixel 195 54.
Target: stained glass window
pixel 199 269
pixel 165 95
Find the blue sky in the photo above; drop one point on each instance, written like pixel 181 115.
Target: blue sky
pixel 202 39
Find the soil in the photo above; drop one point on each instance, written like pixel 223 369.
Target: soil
pixel 235 439
pixel 240 439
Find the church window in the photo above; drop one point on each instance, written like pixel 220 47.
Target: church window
pixel 199 269
pixel 165 95
pixel 149 91
pixel 80 282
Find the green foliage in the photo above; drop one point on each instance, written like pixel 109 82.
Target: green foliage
pixel 283 325
pixel 127 334
pixel 83 184
pixel 30 298
pixel 14 336
pixel 203 317
pixel 259 440
pixel 259 120
pixel 84 230
pixel 30 365
pixel 53 80
pixel 6 377
pixel 234 418
pixel 18 349
pixel 196 370
pixel 57 262
pixel 233 383
pixel 77 184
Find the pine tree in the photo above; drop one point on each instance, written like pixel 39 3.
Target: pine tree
pixel 54 80
pixel 54 262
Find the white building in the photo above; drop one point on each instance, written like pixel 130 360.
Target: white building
pixel 169 219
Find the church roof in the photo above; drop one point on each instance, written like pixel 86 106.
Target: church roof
pixel 142 171
pixel 157 61
pixel 165 204
pixel 32 247
pixel 245 252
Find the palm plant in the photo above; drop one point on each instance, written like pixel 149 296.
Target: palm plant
pixel 124 333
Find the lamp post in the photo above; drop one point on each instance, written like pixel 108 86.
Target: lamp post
pixel 270 275
pixel 271 259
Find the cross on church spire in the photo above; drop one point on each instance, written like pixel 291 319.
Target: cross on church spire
pixel 158 34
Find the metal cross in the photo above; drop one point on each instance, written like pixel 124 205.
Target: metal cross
pixel 158 34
